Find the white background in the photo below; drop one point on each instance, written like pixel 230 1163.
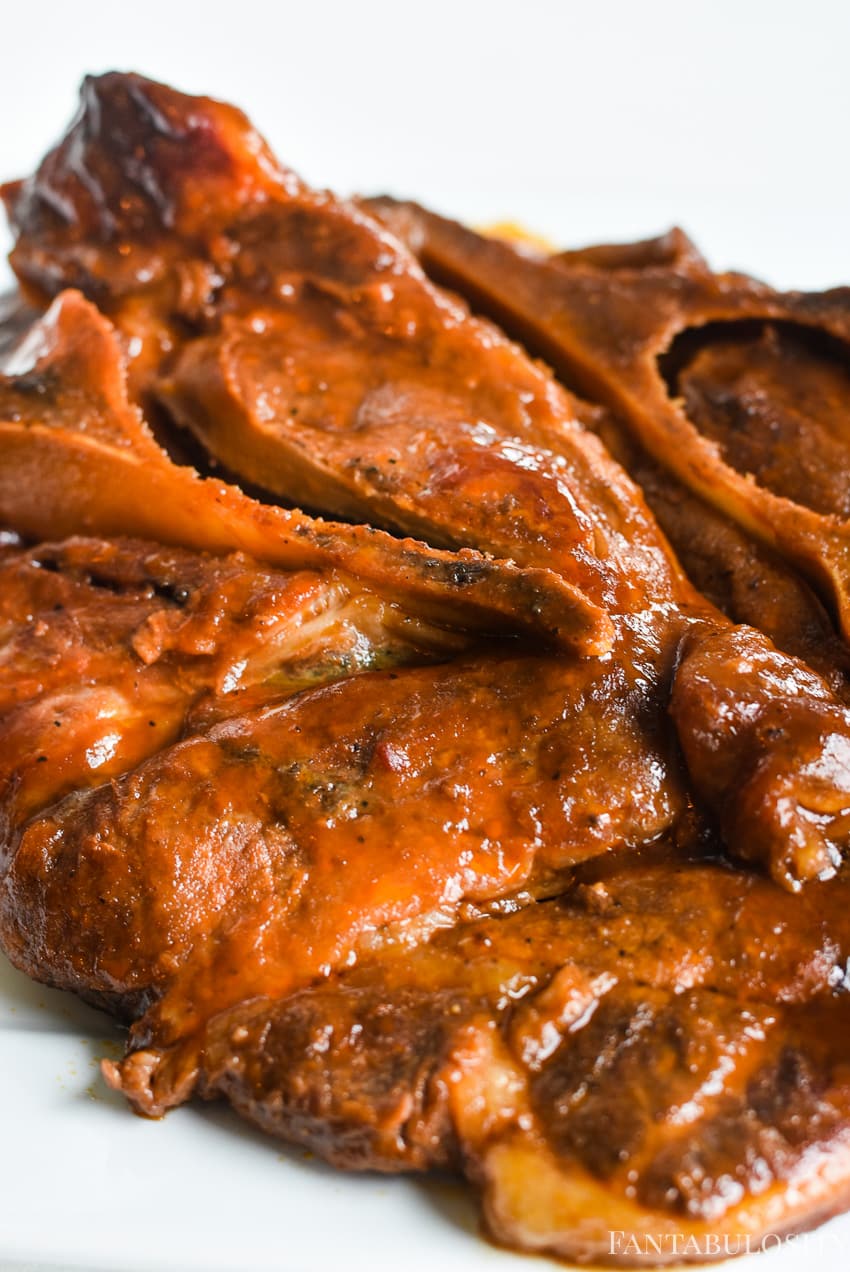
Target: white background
pixel 587 120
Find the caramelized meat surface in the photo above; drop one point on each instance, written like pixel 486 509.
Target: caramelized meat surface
pixel 618 324
pixel 348 810
pixel 79 456
pixel 655 1052
pixel 483 849
pixel 748 581
pixel 777 404
pixel 112 650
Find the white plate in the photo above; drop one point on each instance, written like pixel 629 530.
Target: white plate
pixel 84 1183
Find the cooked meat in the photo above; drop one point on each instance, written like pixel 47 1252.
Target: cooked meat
pixel 317 361
pixel 77 456
pixel 619 331
pixel 206 892
pixel 260 854
pixel 112 650
pixel 271 849
pixel 745 579
pixel 658 1052
pixel 748 581
pixel 742 577
pixel 777 403
pixel 271 793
